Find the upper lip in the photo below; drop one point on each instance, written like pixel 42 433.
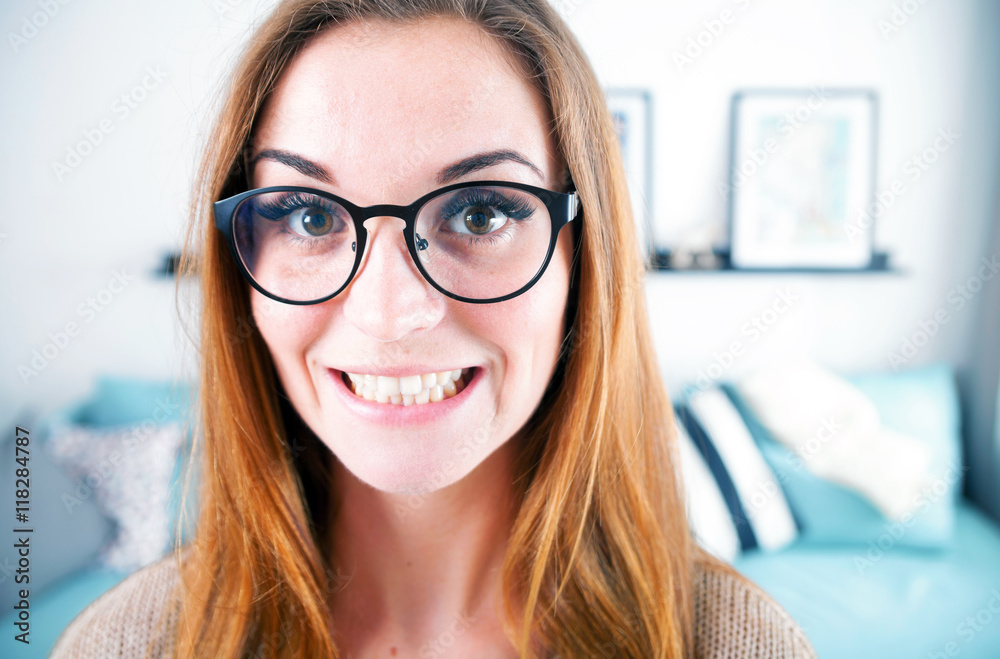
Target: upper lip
pixel 399 371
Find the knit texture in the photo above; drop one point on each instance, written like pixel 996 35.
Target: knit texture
pixel 734 620
pixel 140 612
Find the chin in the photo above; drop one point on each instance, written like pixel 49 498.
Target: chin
pixel 416 469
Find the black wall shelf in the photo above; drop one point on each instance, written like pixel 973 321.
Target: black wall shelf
pixel 662 261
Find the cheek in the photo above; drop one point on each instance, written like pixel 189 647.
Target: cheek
pixel 551 314
pixel 549 306
pixel 288 331
pixel 561 265
pixel 530 330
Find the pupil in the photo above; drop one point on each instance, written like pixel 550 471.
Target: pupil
pixel 478 220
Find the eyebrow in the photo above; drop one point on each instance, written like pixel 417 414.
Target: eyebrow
pixel 296 162
pixel 459 169
pixel 482 161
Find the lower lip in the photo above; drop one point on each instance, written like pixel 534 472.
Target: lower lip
pixel 401 415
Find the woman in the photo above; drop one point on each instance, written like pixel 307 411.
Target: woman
pixel 446 435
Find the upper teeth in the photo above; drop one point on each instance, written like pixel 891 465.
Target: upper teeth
pixel 409 389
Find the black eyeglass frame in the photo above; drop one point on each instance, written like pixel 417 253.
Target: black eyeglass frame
pixel 563 208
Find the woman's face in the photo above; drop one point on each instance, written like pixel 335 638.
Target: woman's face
pixel 383 113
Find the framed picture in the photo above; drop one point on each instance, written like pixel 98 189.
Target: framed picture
pixel 631 110
pixel 802 173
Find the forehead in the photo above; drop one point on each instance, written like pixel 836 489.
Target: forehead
pixel 402 100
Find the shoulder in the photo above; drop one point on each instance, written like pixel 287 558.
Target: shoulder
pixel 138 613
pixel 734 618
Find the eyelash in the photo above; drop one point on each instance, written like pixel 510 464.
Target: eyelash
pixel 513 209
pixel 289 202
pixel 519 211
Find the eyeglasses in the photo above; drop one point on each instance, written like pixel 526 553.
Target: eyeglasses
pixel 479 242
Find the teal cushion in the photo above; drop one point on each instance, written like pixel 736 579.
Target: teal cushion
pixel 909 602
pixel 921 403
pixel 121 401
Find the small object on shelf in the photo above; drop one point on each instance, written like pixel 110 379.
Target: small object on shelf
pixel 701 259
pixel 169 265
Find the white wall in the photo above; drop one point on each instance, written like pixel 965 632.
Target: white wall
pixel 65 234
pixel 930 75
pixel 124 205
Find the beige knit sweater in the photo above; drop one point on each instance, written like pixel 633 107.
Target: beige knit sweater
pixel 735 620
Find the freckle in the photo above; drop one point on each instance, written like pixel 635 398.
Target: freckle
pixel 409 563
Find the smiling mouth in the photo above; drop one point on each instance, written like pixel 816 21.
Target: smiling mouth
pixel 411 389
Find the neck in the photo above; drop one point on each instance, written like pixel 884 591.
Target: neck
pixel 418 565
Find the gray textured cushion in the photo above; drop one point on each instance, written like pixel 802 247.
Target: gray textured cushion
pixel 62 540
pixel 127 472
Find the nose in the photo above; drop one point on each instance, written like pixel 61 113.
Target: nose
pixel 388 297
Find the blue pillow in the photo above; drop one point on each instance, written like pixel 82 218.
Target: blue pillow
pixel 921 403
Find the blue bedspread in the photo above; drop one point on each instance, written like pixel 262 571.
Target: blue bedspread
pixel 906 604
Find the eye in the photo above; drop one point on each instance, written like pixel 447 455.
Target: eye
pixel 311 221
pixel 483 211
pixel 480 220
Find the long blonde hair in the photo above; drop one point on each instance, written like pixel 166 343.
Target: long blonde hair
pixel 600 558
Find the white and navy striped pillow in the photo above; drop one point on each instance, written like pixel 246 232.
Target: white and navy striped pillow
pixel 721 462
pixel 708 515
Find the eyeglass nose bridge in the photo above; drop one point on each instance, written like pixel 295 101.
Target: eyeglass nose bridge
pixel 414 242
pixel 408 214
pixel 385 210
